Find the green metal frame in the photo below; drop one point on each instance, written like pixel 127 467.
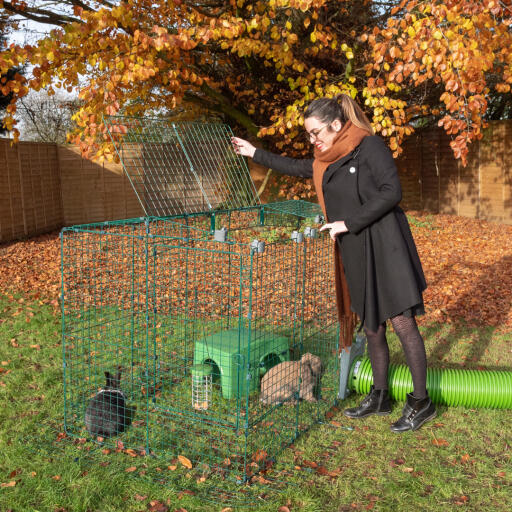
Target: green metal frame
pixel 207 265
pixel 137 294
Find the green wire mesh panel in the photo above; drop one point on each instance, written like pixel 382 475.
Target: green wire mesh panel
pixel 221 326
pixel 181 167
pixel 297 207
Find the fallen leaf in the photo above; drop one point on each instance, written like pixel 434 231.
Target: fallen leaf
pixel 185 462
pixel 131 469
pixel 461 500
pixel 172 468
pixel 439 442
pixel 157 506
pixel 185 492
pixel 259 455
pixel 12 483
pixel 138 497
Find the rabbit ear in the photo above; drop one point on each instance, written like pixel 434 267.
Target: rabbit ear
pixel 109 379
pixel 316 365
pixel 306 364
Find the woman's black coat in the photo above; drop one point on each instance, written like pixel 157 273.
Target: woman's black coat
pixel 382 266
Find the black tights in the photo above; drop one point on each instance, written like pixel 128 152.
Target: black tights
pixel 414 349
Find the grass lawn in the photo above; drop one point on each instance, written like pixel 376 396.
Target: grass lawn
pixel 461 460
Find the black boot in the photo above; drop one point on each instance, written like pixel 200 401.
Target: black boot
pixel 416 412
pixel 376 402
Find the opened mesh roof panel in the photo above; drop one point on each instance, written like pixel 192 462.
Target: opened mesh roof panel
pixel 181 167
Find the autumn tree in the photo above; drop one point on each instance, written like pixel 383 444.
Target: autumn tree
pixel 7 74
pixel 258 63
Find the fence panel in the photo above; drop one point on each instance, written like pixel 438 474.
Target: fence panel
pixel 30 193
pixel 44 186
pixel 433 180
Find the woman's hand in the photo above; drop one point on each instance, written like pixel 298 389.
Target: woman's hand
pixel 243 147
pixel 335 228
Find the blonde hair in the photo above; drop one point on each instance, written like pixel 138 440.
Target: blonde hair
pixel 342 107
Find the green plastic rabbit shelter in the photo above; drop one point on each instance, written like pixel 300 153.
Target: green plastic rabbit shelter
pixel 229 351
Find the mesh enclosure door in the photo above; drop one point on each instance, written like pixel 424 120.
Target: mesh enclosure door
pixel 181 167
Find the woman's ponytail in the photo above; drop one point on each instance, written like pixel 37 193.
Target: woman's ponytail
pixel 351 111
pixel 341 107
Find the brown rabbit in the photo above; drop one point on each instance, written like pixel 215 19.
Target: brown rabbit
pixel 285 379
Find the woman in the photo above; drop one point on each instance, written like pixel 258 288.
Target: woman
pixel 357 185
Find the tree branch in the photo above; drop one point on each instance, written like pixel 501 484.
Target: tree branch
pixel 41 15
pixel 228 109
pixel 221 104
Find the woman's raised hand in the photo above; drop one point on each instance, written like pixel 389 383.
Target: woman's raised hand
pixel 243 147
pixel 335 228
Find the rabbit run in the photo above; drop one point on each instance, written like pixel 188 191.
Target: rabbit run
pixel 106 414
pixel 283 381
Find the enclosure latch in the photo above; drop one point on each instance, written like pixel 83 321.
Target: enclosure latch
pixel 310 232
pixel 297 236
pixel 258 246
pixel 220 235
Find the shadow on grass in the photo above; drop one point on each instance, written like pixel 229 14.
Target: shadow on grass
pixel 495 277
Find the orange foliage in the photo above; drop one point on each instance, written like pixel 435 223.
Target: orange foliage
pixel 260 62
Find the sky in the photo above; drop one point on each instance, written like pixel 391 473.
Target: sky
pixel 29 32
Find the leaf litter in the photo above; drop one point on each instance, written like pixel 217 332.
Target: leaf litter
pixel 467 264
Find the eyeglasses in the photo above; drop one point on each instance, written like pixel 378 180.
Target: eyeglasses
pixel 313 134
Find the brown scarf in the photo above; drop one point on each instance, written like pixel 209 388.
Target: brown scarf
pixel 346 141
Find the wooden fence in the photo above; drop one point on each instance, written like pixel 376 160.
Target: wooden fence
pixel 30 192
pixel 434 181
pixel 44 186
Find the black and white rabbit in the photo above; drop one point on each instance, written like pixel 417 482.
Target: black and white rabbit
pixel 106 414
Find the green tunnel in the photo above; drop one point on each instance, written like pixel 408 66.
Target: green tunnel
pixel 452 387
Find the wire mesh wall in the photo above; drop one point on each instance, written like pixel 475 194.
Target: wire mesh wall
pixel 181 167
pixel 210 335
